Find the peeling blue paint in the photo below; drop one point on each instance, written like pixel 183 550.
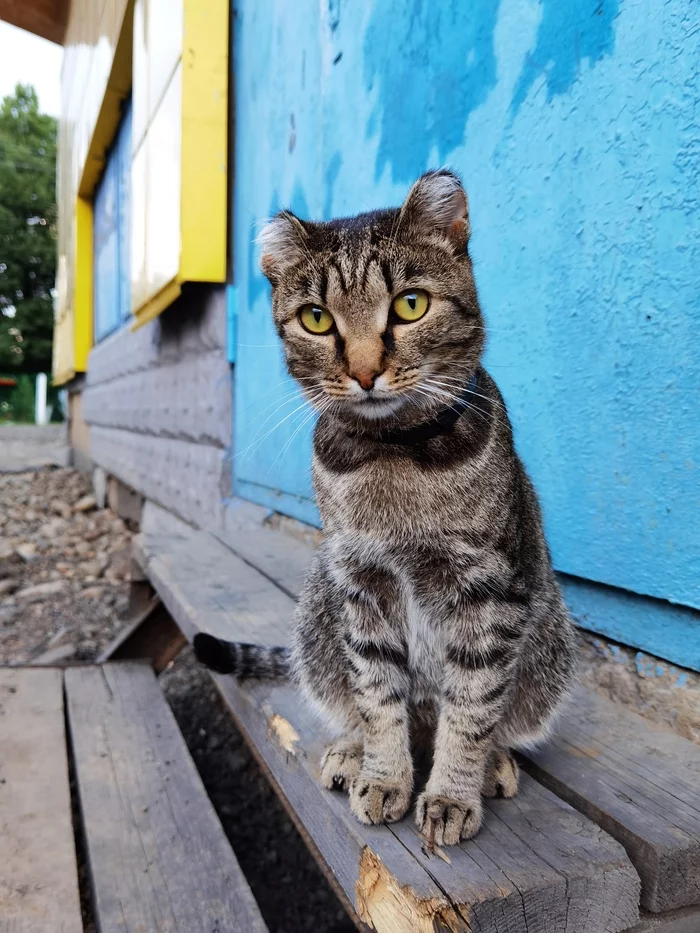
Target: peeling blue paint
pixel 330 178
pixel 568 34
pixel 427 69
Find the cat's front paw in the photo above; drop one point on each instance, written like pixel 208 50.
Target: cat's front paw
pixel 374 801
pixel 445 820
pixel 502 774
pixel 341 764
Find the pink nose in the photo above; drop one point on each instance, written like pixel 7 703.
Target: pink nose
pixel 366 379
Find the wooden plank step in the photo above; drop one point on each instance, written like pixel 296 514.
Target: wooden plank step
pixel 38 871
pixel 159 860
pixel 636 780
pixel 641 783
pixel 684 920
pixel 537 866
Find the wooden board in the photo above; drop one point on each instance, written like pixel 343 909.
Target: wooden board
pixel 641 783
pixel 223 593
pixel 159 859
pixel 38 872
pixel 685 920
pixel 536 861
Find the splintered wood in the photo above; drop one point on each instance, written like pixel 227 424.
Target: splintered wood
pixel 389 907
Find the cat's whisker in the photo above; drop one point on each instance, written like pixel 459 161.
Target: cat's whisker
pixel 462 401
pixel 325 406
pixel 268 433
pixel 288 399
pixel 455 385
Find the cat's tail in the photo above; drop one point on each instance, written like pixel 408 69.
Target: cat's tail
pixel 234 657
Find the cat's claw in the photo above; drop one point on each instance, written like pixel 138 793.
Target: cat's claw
pixel 374 801
pixel 341 764
pixel 444 820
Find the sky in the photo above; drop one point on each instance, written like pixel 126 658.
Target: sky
pixel 27 59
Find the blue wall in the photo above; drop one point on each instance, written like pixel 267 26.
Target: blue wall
pixel 575 127
pixel 111 241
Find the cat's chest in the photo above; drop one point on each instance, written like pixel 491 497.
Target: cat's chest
pixel 386 500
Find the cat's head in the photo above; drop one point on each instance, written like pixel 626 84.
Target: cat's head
pixel 378 313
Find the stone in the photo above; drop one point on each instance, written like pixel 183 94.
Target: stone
pixel 52 529
pixel 27 550
pixel 92 534
pixel 92 592
pixel 120 564
pixel 8 586
pixel 41 591
pixel 91 568
pixel 86 504
pixel 63 509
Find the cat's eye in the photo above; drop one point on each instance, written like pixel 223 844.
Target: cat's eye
pixel 411 305
pixel 316 320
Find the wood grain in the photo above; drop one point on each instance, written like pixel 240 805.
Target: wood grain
pixel 536 867
pixel 639 782
pixel 159 860
pixel 38 872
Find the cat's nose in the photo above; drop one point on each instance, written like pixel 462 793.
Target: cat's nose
pixel 366 378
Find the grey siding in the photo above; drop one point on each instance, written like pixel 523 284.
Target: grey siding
pixel 158 402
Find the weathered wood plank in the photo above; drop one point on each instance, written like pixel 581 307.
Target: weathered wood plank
pixel 536 866
pixel 38 871
pixel 685 920
pixel 640 783
pixel 228 597
pixel 159 860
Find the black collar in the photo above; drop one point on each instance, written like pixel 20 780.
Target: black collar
pixel 443 422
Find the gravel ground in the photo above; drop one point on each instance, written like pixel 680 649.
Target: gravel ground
pixel 64 569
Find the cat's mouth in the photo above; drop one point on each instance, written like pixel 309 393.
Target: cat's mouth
pixel 375 406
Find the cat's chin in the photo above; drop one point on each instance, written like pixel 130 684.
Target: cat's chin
pixel 375 409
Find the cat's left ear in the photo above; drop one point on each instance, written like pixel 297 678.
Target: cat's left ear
pixel 438 202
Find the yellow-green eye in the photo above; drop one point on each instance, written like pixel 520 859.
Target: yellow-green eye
pixel 412 305
pixel 316 320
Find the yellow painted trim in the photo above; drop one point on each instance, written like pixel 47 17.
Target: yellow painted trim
pixel 157 304
pixel 204 203
pixel 83 299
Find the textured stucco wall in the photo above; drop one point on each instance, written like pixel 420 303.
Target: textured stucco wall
pixel 574 125
pixel 158 402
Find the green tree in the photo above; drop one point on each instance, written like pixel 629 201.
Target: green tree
pixel 27 232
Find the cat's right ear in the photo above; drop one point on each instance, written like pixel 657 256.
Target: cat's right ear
pixel 283 243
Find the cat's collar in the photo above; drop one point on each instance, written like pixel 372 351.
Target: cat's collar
pixel 442 423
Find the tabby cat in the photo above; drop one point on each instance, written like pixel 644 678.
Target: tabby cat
pixel 431 607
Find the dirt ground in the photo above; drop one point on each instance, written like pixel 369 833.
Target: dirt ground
pixel 64 569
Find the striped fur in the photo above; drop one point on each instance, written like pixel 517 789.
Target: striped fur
pixel 431 607
pixel 240 659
